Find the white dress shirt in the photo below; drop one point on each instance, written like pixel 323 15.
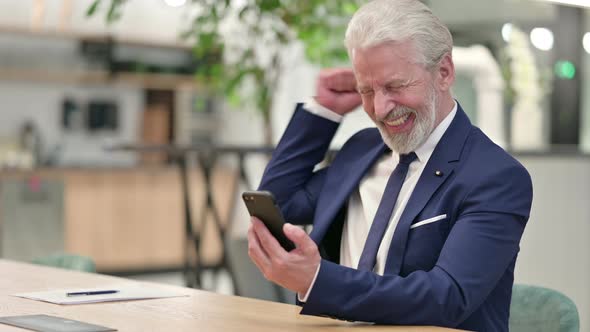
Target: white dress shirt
pixel 364 201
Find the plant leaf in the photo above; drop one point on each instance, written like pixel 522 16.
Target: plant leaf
pixel 92 9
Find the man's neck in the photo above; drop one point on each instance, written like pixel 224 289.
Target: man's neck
pixel 446 106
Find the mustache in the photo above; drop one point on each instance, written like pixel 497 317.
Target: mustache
pixel 397 112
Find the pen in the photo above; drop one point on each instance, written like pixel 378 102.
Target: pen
pixel 100 292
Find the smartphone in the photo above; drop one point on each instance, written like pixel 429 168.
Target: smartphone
pixel 262 205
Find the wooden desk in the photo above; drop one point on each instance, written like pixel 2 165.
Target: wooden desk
pixel 201 311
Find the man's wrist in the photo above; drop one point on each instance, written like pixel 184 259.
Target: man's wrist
pixel 312 106
pixel 306 294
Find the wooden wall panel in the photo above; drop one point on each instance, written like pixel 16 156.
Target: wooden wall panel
pixel 133 219
pixel 125 219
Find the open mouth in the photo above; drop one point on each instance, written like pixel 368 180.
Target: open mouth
pixel 400 123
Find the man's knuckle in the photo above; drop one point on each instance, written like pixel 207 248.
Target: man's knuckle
pixel 269 274
pixel 281 265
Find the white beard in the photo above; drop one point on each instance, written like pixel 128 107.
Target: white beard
pixel 407 142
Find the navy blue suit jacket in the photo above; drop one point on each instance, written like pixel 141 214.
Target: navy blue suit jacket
pixel 457 272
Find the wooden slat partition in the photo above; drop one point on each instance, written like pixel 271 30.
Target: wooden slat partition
pixel 133 219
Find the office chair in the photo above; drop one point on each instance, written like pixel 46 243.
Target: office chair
pixel 249 282
pixel 541 309
pixel 67 261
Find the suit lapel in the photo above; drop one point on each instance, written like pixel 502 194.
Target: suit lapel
pixel 443 159
pixel 344 180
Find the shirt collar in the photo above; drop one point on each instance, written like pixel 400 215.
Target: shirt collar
pixel 425 150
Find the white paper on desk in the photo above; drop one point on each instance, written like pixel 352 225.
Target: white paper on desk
pixel 125 292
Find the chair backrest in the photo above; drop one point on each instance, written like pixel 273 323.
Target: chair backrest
pixel 541 309
pixel 67 261
pixel 33 217
pixel 249 281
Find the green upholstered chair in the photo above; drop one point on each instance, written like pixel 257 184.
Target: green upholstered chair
pixel 67 261
pixel 541 309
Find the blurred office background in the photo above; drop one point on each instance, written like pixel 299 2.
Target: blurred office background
pixel 81 102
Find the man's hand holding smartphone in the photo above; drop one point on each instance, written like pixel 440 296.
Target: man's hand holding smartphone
pixel 295 269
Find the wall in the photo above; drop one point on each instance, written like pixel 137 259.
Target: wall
pixel 555 251
pixel 150 20
pixel 42 104
pixel 585 93
pixel 30 99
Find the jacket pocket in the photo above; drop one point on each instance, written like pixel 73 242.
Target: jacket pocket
pixel 428 221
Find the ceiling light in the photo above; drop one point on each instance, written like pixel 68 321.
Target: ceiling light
pixel 239 3
pixel 175 3
pixel 506 31
pixel 586 42
pixel 542 38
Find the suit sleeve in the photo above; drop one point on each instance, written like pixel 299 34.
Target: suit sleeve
pixel 290 173
pixel 482 244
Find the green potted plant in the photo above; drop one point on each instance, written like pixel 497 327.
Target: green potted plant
pixel 266 28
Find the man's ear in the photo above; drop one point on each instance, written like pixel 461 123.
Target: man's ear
pixel 446 73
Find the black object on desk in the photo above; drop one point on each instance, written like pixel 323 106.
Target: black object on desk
pixel 46 323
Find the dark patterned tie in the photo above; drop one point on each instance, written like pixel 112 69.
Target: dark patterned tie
pixel 383 215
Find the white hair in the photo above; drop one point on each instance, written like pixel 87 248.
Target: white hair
pixel 383 21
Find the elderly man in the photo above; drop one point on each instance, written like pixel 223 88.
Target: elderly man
pixel 417 221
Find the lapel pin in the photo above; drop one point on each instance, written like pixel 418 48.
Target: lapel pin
pixel 438 173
